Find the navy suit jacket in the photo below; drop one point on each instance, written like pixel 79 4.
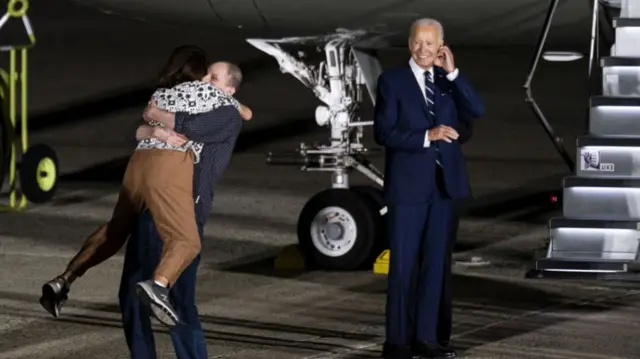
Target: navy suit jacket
pixel 400 125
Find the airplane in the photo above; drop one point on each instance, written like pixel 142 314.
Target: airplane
pixel 341 228
pixel 477 23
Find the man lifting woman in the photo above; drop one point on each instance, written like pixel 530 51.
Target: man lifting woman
pixel 160 177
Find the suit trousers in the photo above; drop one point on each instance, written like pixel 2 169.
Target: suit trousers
pixel 445 316
pixel 143 255
pixel 419 237
pixel 162 181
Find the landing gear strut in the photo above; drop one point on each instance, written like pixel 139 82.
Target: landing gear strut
pixel 339 228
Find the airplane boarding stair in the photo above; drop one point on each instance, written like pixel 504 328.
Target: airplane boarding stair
pixel 598 234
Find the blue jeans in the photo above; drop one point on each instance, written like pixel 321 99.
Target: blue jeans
pixel 143 254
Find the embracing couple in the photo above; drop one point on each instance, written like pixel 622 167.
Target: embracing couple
pixel 183 146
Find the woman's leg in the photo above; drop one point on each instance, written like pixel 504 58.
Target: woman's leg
pixel 169 196
pixel 101 244
pixel 106 241
pixel 173 212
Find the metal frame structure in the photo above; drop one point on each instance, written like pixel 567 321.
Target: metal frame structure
pixel 597 236
pixel 557 141
pixel 594 54
pixel 337 81
pixel 39 168
pixel 16 9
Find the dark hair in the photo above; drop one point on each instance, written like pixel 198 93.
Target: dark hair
pixel 235 75
pixel 186 63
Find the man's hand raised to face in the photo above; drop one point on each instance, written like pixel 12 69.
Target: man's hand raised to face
pixel 444 59
pixel 444 133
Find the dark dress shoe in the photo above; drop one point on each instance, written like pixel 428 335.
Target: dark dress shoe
pixel 422 350
pixel 392 351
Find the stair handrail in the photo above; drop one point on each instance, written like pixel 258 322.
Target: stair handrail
pixel 594 55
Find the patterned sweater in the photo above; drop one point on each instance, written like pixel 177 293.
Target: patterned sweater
pixel 190 97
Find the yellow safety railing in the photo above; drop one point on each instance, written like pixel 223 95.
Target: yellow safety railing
pixel 16 9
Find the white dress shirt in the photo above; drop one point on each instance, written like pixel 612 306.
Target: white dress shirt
pixel 418 72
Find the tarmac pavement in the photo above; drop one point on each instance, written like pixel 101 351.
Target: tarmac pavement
pixel 250 310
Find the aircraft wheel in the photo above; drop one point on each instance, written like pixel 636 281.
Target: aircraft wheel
pixel 337 230
pixel 376 203
pixel 39 173
pixel 374 193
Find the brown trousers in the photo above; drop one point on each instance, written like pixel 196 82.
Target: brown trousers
pixel 162 181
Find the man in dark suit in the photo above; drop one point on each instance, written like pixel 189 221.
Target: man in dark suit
pixel 445 320
pixel 417 107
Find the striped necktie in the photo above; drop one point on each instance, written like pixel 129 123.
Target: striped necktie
pixel 430 92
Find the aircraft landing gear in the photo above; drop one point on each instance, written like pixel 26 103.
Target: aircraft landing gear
pixel 336 229
pixel 340 228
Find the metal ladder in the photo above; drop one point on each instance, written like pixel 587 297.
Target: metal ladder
pixel 599 233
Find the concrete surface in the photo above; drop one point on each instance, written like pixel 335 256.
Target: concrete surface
pixel 251 311
pixel 248 309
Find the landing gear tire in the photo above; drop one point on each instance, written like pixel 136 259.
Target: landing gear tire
pixel 376 203
pixel 374 193
pixel 337 230
pixel 39 173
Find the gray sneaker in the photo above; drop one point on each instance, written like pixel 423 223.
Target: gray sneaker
pixel 54 294
pixel 157 297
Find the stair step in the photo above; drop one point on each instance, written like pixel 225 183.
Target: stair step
pixel 622 61
pixel 551 264
pixel 614 116
pixel 613 3
pixel 608 157
pixel 621 76
pixel 622 22
pixel 627 36
pixel 564 222
pixel 616 4
pixel 592 141
pixel 593 239
pixel 601 198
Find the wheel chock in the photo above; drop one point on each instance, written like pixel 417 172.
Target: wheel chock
pixel 289 258
pixel 381 265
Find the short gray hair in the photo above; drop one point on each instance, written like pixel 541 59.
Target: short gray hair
pixel 427 22
pixel 235 75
